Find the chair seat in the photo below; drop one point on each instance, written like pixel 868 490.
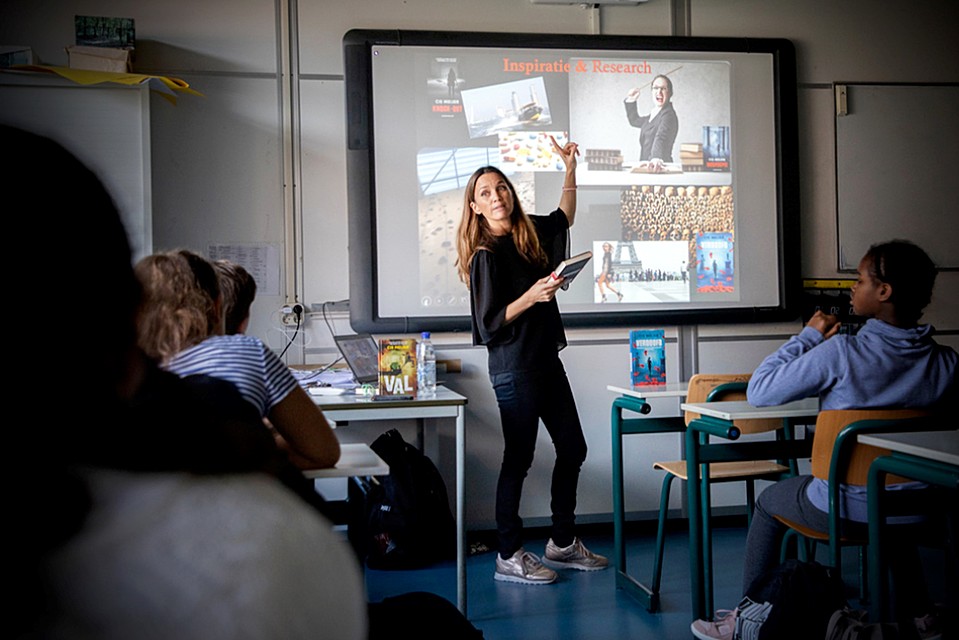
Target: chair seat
pixel 726 470
pixel 815 534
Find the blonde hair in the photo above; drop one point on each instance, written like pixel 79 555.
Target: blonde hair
pixel 181 303
pixel 474 232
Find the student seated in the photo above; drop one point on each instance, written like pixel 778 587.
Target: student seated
pixel 139 510
pixel 238 289
pixel 892 362
pixel 182 326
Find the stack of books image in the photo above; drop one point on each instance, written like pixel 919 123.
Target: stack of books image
pixel 691 156
pixel 604 159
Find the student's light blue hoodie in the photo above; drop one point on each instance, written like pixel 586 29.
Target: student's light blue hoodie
pixel 882 366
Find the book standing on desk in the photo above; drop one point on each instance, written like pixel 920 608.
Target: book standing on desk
pixel 397 367
pixel 647 350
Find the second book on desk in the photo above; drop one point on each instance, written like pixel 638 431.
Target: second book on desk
pixel 647 351
pixel 397 367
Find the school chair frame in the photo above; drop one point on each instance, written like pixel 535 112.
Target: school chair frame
pixel 702 456
pixel 838 458
pixel 708 388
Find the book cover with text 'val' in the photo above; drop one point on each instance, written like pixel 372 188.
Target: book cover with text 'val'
pixel 397 367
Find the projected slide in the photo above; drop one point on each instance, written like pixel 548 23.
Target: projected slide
pixel 679 190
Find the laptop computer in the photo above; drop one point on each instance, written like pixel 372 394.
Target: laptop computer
pixel 362 356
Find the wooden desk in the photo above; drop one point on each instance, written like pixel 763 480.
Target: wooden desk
pixel 716 419
pixel 928 456
pixel 341 409
pixel 635 399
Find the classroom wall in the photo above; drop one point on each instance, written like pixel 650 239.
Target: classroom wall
pixel 259 160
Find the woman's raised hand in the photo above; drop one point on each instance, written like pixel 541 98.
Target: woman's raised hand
pixel 567 152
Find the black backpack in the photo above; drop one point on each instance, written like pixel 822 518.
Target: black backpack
pixel 804 596
pixel 850 624
pixel 419 614
pixel 403 520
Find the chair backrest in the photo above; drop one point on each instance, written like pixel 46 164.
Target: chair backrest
pixel 733 387
pixel 838 458
pixel 831 422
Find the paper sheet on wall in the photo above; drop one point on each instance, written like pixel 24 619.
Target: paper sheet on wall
pixel 261 260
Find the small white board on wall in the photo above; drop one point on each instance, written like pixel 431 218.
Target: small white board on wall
pixel 896 170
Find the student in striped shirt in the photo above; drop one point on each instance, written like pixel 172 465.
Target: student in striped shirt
pixel 182 326
pixel 238 288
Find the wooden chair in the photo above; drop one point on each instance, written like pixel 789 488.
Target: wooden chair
pixel 839 459
pixel 712 388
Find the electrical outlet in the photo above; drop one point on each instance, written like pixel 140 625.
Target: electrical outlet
pixel 292 314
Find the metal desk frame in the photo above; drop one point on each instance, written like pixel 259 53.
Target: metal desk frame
pixel 446 404
pixel 927 456
pixel 635 399
pixel 716 419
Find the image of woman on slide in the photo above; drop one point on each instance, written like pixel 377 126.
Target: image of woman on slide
pixel 606 275
pixel 658 129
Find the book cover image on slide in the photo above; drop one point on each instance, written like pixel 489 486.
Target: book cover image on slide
pixel 647 351
pixel 716 148
pixel 715 269
pixel 397 366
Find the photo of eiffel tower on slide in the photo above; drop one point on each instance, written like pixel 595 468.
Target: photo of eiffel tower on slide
pixel 640 271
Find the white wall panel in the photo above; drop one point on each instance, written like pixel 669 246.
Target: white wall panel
pixel 217 175
pixel 323 191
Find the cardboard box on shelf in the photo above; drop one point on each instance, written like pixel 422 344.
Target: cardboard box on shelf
pixel 100 59
pixel 15 54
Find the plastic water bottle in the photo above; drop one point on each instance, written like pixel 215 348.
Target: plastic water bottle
pixel 425 367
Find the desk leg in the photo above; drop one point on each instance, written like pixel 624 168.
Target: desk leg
pixel 619 510
pixel 648 596
pixel 878 585
pixel 695 500
pixel 915 468
pixel 460 510
pixel 707 541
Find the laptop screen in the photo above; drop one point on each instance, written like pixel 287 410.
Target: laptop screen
pixel 362 356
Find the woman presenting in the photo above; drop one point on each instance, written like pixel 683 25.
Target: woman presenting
pixel 505 259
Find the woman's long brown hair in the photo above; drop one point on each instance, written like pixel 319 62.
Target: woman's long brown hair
pixel 474 231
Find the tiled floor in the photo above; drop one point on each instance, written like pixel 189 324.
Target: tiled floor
pixel 586 604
